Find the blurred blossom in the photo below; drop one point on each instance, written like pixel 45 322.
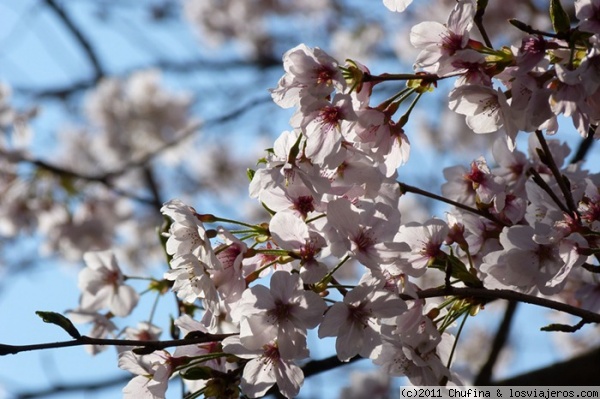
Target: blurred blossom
pixel 373 385
pixel 137 116
pixel 356 44
pixel 250 23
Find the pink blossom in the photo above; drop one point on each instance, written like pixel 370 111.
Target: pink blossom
pixel 425 243
pixel 530 261
pixel 153 372
pixel 325 124
pixel 191 279
pixel 311 73
pixel 285 311
pixel 187 234
pixel 488 188
pixel 486 110
pixel 439 42
pixel 367 233
pixel 588 12
pixel 102 285
pixel 291 233
pixel 266 367
pixel 356 321
pixel 414 353
pixel 397 5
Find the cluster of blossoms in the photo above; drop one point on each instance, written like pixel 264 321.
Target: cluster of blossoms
pixel 529 224
pixel 129 122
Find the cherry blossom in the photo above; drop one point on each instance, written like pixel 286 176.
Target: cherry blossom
pixel 487 110
pixel 413 353
pixel 367 232
pixel 187 234
pixel 356 321
pixel 529 260
pixel 153 372
pixel 587 12
pixel 425 243
pixel 102 285
pixel 266 367
pixel 291 233
pixel 439 42
pixel 397 5
pixel 284 311
pixel 310 74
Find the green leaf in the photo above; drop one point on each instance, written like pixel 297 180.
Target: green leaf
pixel 143 350
pixel 481 4
pixel 197 373
pixel 61 321
pixel 250 173
pixel 560 19
pixel 458 270
pixel 563 327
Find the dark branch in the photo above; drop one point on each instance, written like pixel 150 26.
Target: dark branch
pixel 91 386
pixel 487 295
pixel 500 340
pixel 107 178
pixel 478 19
pixel 79 37
pixel 585 145
pixel 316 367
pixel 84 340
pixel 578 371
pixel 405 188
pixel 474 293
pixel 186 66
pixel 560 179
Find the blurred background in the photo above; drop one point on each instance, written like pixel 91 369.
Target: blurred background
pixel 109 108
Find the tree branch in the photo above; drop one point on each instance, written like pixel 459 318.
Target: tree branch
pixel 75 387
pixel 187 66
pixel 548 159
pixel 405 188
pixel 578 371
pixel 85 340
pixel 467 292
pixel 316 367
pixel 488 294
pixel 485 374
pixel 79 37
pixel 585 145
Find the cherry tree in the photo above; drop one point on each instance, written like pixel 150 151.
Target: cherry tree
pixel 329 244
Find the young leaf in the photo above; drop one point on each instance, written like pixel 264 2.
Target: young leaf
pixel 61 321
pixel 559 18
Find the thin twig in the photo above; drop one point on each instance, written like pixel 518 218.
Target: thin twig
pixel 585 145
pixel 489 294
pixel 544 186
pixel 85 340
pixel 560 179
pixel 319 366
pixel 478 19
pixel 406 188
pixel 91 386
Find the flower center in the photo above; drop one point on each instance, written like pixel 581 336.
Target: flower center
pixel 364 240
pixel 304 204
